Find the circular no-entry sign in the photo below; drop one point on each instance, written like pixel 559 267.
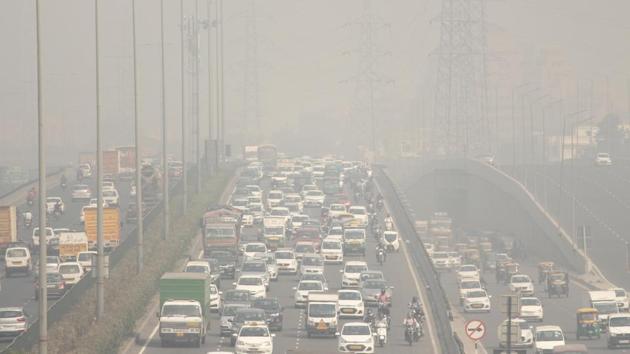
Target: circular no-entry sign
pixel 475 329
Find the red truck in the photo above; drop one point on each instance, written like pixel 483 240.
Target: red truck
pixel 221 228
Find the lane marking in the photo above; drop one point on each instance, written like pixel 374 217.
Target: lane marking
pixel 146 344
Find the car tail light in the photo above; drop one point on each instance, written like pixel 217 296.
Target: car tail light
pixel 21 319
pixel 61 285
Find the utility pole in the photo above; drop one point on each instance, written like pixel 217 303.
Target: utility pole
pixel 165 185
pixel 194 49
pixel 460 125
pixel 251 121
pixel 100 263
pixel 136 118
pixel 41 159
pixel 210 90
pixel 183 107
pixel 366 77
pixel 221 81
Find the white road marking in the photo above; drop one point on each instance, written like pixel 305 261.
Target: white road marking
pixel 146 344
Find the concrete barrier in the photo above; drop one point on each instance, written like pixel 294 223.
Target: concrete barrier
pixel 18 195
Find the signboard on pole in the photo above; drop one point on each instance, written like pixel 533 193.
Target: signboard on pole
pixel 475 329
pixel 510 305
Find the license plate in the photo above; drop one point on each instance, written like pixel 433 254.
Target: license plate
pixel 347 310
pixel 179 334
pixel 355 347
pixel 477 306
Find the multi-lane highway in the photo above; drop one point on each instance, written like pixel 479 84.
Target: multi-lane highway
pixel 18 290
pixel 293 337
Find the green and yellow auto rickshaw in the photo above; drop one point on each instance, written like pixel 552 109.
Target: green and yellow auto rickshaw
pixel 587 323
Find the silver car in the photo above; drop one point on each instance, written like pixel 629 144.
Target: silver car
pixel 371 290
pixel 13 322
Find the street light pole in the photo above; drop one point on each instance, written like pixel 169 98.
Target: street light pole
pixel 210 165
pixel 139 208
pixel 222 87
pixel 165 185
pixel 100 258
pixel 43 291
pixel 183 113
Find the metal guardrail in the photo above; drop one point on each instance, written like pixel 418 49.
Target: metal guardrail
pixel 436 296
pixel 30 338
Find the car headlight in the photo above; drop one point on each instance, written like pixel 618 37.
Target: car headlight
pixel 266 344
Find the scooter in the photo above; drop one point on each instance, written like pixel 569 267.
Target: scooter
pixel 28 220
pixel 380 255
pixel 381 332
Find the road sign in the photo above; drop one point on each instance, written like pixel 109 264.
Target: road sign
pixel 475 329
pixel 513 301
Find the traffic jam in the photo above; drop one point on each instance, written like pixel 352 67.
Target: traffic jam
pixel 291 226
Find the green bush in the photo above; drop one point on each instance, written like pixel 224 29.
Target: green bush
pixel 127 294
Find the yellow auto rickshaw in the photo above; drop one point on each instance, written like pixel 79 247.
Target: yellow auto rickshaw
pixel 543 269
pixel 587 323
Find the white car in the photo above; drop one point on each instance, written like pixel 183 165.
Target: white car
pixel 454 260
pixel 477 300
pixel 468 271
pixel 350 303
pixel 254 249
pixel 71 272
pixel 85 259
pixel 359 213
pixel 352 273
pixel 295 199
pixel 336 210
pixel 215 298
pixel 286 261
pixel 275 199
pixel 307 188
pixel 526 339
pixel 430 248
pixel 531 309
pixel 522 283
pixel 254 190
pixel 110 196
pixel 603 159
pixel 51 202
pixel 254 284
pixel 81 192
pixel 314 198
pixel 50 235
pixel 108 185
pixel 440 260
pixel 618 330
pixel 356 337
pixel 281 212
pixel 254 338
pixel 622 299
pixel 304 288
pixel 332 250
pixel 468 284
pixel 312 263
pixel 17 259
pixel 298 219
pixel 391 241
pixel 548 337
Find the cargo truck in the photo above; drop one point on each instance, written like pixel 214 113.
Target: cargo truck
pixel 274 231
pixel 126 162
pixel 322 314
pixel 8 227
pixel 111 162
pixel 221 228
pixel 111 226
pixel 184 308
pixel 70 244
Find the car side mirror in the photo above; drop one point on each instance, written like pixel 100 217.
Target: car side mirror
pixel 273 335
pixel 220 293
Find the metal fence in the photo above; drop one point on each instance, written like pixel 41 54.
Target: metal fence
pixel 436 296
pixel 30 338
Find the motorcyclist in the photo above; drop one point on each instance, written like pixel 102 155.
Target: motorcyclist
pixel 31 195
pixel 58 210
pixel 383 298
pixel 64 181
pixel 380 249
pixel 389 222
pixel 28 218
pixel 415 303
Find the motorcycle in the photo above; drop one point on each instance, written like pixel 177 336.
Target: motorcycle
pixel 28 220
pixel 64 185
pixel 381 332
pixel 379 204
pixel 389 224
pixel 409 334
pixel 380 256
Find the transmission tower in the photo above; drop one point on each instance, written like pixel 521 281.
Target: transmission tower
pixel 460 126
pixel 251 124
pixel 366 79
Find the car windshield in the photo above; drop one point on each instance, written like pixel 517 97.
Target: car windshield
pixel 606 308
pixel 391 236
pixel 337 207
pixel 85 257
pixel 181 310
pixel 355 268
pixel 374 284
pixel 312 261
pixel 254 332
pixel 314 193
pixel 476 294
pixel 255 207
pixel 16 252
pixel 544 336
pixel 80 187
pixel 10 314
pixel 109 193
pixel 529 302
pixel 230 311
pixel 440 255
pixel 520 279
pixel 349 295
pixel 240 202
pixel 221 255
pixel 310 285
pixel 371 275
pixel 620 321
pixel 470 285
pixel 280 212
pixel 267 304
pixel 274 230
pixel 220 232
pixel 237 296
pixel 322 310
pixel 354 234
pixel 331 245
pixel 255 248
pixel 314 276
pixel 196 269
pixel 69 269
pixel 355 330
pixel 356 211
pixel 249 315
pixel 620 293
pixel 299 218
pixel 53 277
pixel 249 281
pixel 468 268
pixel 254 267
pixel 285 255
pixel 303 248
